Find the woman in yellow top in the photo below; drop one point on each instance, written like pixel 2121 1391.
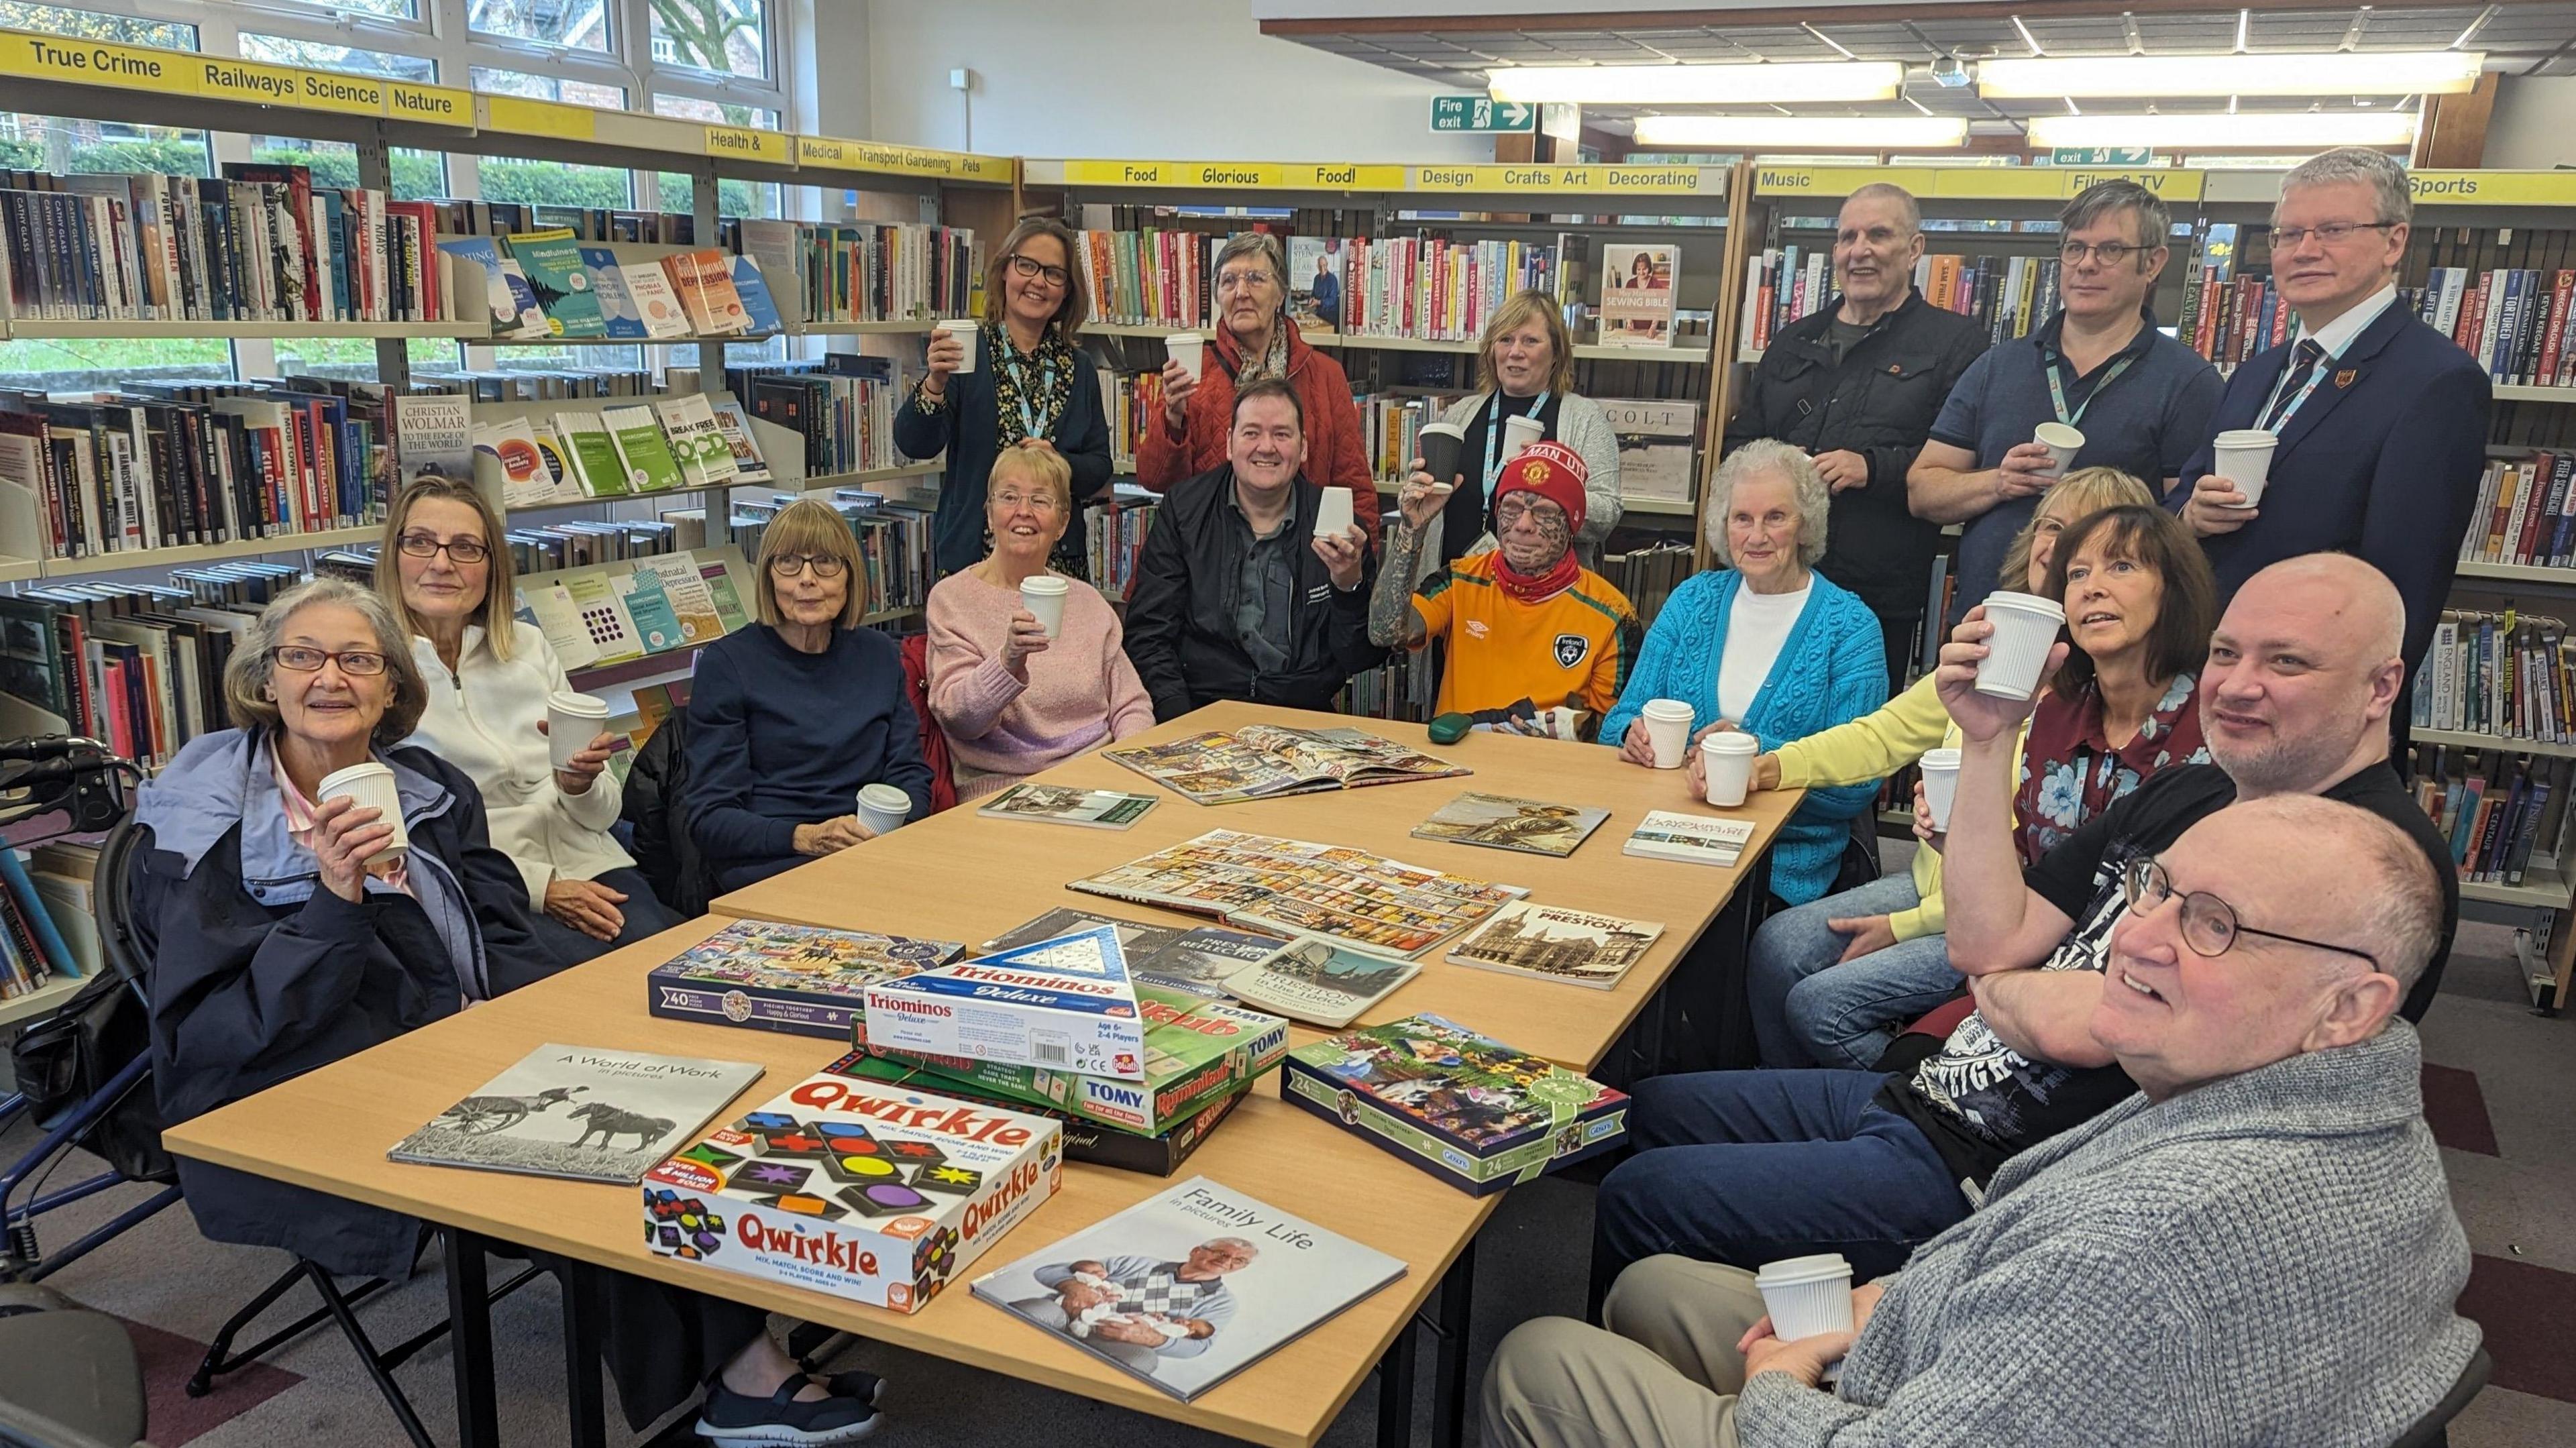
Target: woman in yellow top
pixel 1895 922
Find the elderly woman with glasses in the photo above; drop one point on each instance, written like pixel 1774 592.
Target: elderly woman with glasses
pixel 490 675
pixel 1256 339
pixel 1027 387
pixel 789 719
pixel 1012 697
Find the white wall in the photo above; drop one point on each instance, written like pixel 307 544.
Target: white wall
pixel 1178 79
pixel 2531 122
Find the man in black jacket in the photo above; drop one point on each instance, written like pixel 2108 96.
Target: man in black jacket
pixel 1236 595
pixel 1857 383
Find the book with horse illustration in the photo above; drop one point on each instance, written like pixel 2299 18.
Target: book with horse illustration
pixel 577 1112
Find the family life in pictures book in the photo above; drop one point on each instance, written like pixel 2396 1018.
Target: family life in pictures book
pixel 1319 982
pixel 801 979
pixel 1100 809
pixel 1296 888
pixel 1693 839
pixel 1502 823
pixel 1189 1288
pixel 1555 943
pixel 1260 761
pixel 572 1111
pixel 1198 961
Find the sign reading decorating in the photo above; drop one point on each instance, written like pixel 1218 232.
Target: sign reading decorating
pixel 1481 115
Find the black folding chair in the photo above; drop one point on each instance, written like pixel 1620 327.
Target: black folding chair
pixel 2433 1429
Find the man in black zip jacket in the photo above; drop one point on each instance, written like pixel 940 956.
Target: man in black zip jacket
pixel 1857 383
pixel 1236 595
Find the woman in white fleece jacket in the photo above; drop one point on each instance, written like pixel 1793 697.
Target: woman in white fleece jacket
pixel 444 570
pixel 1525 368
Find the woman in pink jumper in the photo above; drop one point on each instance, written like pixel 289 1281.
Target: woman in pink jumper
pixel 1011 700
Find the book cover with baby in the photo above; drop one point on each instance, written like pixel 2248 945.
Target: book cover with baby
pixel 1187 1289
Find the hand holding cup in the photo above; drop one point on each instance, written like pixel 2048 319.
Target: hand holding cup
pixel 947 354
pixel 2026 471
pixel 1421 498
pixel 1027 636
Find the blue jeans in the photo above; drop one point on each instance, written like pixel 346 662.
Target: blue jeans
pixel 1748 1167
pixel 1808 1010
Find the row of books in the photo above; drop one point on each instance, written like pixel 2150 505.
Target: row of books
pixel 1115 540
pixel 652 445
pixel 1391 431
pixel 548 284
pixel 261 243
pixel 33 950
pixel 586 223
pixel 2505 674
pixel 894 537
pixel 552 385
pixel 1133 402
pixel 2524 514
pixel 1658 440
pixel 2515 322
pixel 558 546
pixel 137 665
pixel 2009 294
pixel 843 408
pixel 2496 808
pixel 161 465
pixel 1402 688
pixel 659 604
pixel 866 271
pixel 1649 575
pixel 1437 289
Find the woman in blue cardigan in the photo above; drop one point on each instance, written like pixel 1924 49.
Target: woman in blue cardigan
pixel 1769 647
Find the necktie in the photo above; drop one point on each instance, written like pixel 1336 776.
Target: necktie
pixel 2294 380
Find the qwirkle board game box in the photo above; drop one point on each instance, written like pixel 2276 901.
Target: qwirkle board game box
pixel 873 1192
pixel 1195 1051
pixel 800 979
pixel 1466 1108
pixel 1088 1142
pixel 1065 1004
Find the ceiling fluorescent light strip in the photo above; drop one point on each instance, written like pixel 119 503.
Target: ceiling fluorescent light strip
pixel 2171 132
pixel 2354 73
pixel 1816 82
pixel 1920 133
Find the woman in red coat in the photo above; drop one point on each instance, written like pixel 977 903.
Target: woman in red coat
pixel 1255 339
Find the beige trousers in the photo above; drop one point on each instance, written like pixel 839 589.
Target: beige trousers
pixel 1664 1375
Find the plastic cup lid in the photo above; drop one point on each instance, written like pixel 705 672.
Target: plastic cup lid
pixel 348 778
pixel 1044 583
pixel 1940 759
pixel 1731 743
pixel 1797 1271
pixel 577 704
pixel 1666 709
pixel 1445 429
pixel 2236 437
pixel 885 796
pixel 2026 603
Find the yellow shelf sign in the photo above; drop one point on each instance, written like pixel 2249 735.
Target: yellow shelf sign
pixel 839 154
pixel 1351 177
pixel 1573 180
pixel 2493 188
pixel 536 118
pixel 433 105
pixel 1833 183
pixel 746 143
pixel 2058 183
pixel 84 62
pixel 1200 175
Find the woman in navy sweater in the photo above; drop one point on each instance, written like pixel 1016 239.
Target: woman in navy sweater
pixel 790 718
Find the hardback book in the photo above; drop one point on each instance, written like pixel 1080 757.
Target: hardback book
pixel 874 1192
pixel 1084 1141
pixel 650 468
pixel 434 437
pixel 800 979
pixel 748 465
pixel 1318 982
pixel 1189 1288
pixel 1501 822
pixel 1697 839
pixel 579 1112
pixel 1462 1106
pixel 617 310
pixel 1260 761
pixel 1198 960
pixel 1101 809
pixel 1638 285
pixel 552 261
pixel 1295 888
pixel 1555 943
pixel 699 445
pixel 1195 1051
pixel 656 302
pixel 1066 1004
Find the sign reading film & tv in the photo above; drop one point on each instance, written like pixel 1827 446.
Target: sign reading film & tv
pixel 1480 115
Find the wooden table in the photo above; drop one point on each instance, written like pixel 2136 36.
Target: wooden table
pixel 960 877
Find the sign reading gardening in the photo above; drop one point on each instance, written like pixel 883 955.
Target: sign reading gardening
pixel 833 153
pixel 1481 115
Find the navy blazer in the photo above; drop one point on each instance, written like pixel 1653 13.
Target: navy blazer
pixel 2382 461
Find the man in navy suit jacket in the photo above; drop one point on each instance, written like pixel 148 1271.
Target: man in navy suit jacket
pixel 2382 421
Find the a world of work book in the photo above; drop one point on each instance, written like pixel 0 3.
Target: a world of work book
pixel 579 1112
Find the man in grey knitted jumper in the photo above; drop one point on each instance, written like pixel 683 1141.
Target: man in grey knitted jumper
pixel 2257 1248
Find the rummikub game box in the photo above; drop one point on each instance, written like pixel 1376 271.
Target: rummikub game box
pixel 1065 1004
pixel 800 979
pixel 1468 1109
pixel 873 1192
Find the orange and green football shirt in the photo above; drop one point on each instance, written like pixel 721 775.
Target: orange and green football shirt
pixel 1576 648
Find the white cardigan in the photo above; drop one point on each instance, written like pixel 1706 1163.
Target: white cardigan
pixel 483 719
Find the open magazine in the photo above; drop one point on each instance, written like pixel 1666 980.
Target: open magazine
pixel 1259 761
pixel 1189 1288
pixel 1347 896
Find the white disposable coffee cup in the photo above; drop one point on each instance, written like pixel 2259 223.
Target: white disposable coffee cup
pixel 1940 784
pixel 1440 445
pixel 1807 1296
pixel 1333 516
pixel 1728 761
pixel 963 329
pixel 372 786
pixel 572 721
pixel 1190 350
pixel 2026 625
pixel 2062 442
pixel 882 807
pixel 1518 433
pixel 1043 594
pixel 2243 456
pixel 1668 723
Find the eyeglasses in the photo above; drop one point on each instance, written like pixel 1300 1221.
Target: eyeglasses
pixel 356 663
pixel 2209 924
pixel 1512 507
pixel 2110 253
pixel 2333 233
pixel 1243 279
pixel 1030 269
pixel 788 565
pixel 1034 502
pixel 459 550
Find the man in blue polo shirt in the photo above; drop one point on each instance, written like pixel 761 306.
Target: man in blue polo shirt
pixel 2141 399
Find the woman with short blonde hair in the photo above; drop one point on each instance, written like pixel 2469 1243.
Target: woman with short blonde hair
pixel 791 717
pixel 1525 368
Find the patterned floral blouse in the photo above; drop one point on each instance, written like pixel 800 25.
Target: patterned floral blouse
pixel 2070 772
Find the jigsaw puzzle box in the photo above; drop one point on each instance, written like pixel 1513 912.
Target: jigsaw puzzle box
pixel 801 979
pixel 1065 1004
pixel 869 1191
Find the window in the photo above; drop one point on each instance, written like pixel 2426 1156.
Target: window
pixel 552 183
pixel 389 9
pixel 353 359
pixel 733 198
pixel 418 175
pixel 573 24
pixel 728 37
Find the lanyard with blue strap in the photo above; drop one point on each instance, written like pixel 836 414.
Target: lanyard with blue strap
pixel 1046 384
pixel 2316 374
pixel 2057 389
pixel 1494 438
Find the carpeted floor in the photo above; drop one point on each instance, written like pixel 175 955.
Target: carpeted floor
pixel 2497 1097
